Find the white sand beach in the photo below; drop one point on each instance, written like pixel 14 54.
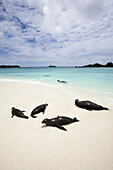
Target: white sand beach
pixel 27 145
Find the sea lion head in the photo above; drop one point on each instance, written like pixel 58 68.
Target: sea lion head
pixel 46 104
pixel 13 108
pixel 75 119
pixel 76 101
pixel 45 120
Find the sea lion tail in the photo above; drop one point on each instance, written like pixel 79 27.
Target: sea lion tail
pixel 105 108
pixel 75 119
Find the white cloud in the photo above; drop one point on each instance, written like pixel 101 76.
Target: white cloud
pixel 62 32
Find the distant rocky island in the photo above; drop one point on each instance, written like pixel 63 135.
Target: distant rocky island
pixel 52 66
pixel 9 66
pixel 110 64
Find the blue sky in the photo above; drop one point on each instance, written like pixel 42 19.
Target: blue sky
pixel 59 32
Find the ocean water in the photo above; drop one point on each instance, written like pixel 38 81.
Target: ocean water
pixel 87 78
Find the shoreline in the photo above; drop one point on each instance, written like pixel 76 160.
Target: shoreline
pixel 84 93
pixel 96 80
pixel 26 144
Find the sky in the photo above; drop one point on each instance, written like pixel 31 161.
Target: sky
pixel 57 32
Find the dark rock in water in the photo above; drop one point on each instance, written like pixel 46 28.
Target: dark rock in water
pixel 59 121
pixel 61 81
pixel 94 65
pixel 9 66
pixel 110 64
pixel 52 66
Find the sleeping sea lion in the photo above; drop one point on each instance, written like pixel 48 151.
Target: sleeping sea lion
pixel 61 81
pixel 59 121
pixel 38 109
pixel 88 105
pixel 18 113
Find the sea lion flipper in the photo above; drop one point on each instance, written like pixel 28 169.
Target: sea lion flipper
pixel 33 116
pixel 26 117
pixel 88 108
pixel 61 127
pixel 105 108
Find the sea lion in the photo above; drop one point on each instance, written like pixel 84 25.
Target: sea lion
pixel 59 121
pixel 18 113
pixel 88 105
pixel 46 75
pixel 38 109
pixel 61 81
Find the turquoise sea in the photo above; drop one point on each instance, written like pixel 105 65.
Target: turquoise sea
pixel 96 78
pixel 96 83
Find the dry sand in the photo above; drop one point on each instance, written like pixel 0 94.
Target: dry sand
pixel 27 145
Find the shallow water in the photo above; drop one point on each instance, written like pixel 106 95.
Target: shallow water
pixel 94 84
pixel 96 78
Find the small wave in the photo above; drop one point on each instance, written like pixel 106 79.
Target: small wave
pixel 29 81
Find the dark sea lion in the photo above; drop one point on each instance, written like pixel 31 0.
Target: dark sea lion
pixel 59 121
pixel 39 109
pixel 18 113
pixel 61 81
pixel 46 75
pixel 88 105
